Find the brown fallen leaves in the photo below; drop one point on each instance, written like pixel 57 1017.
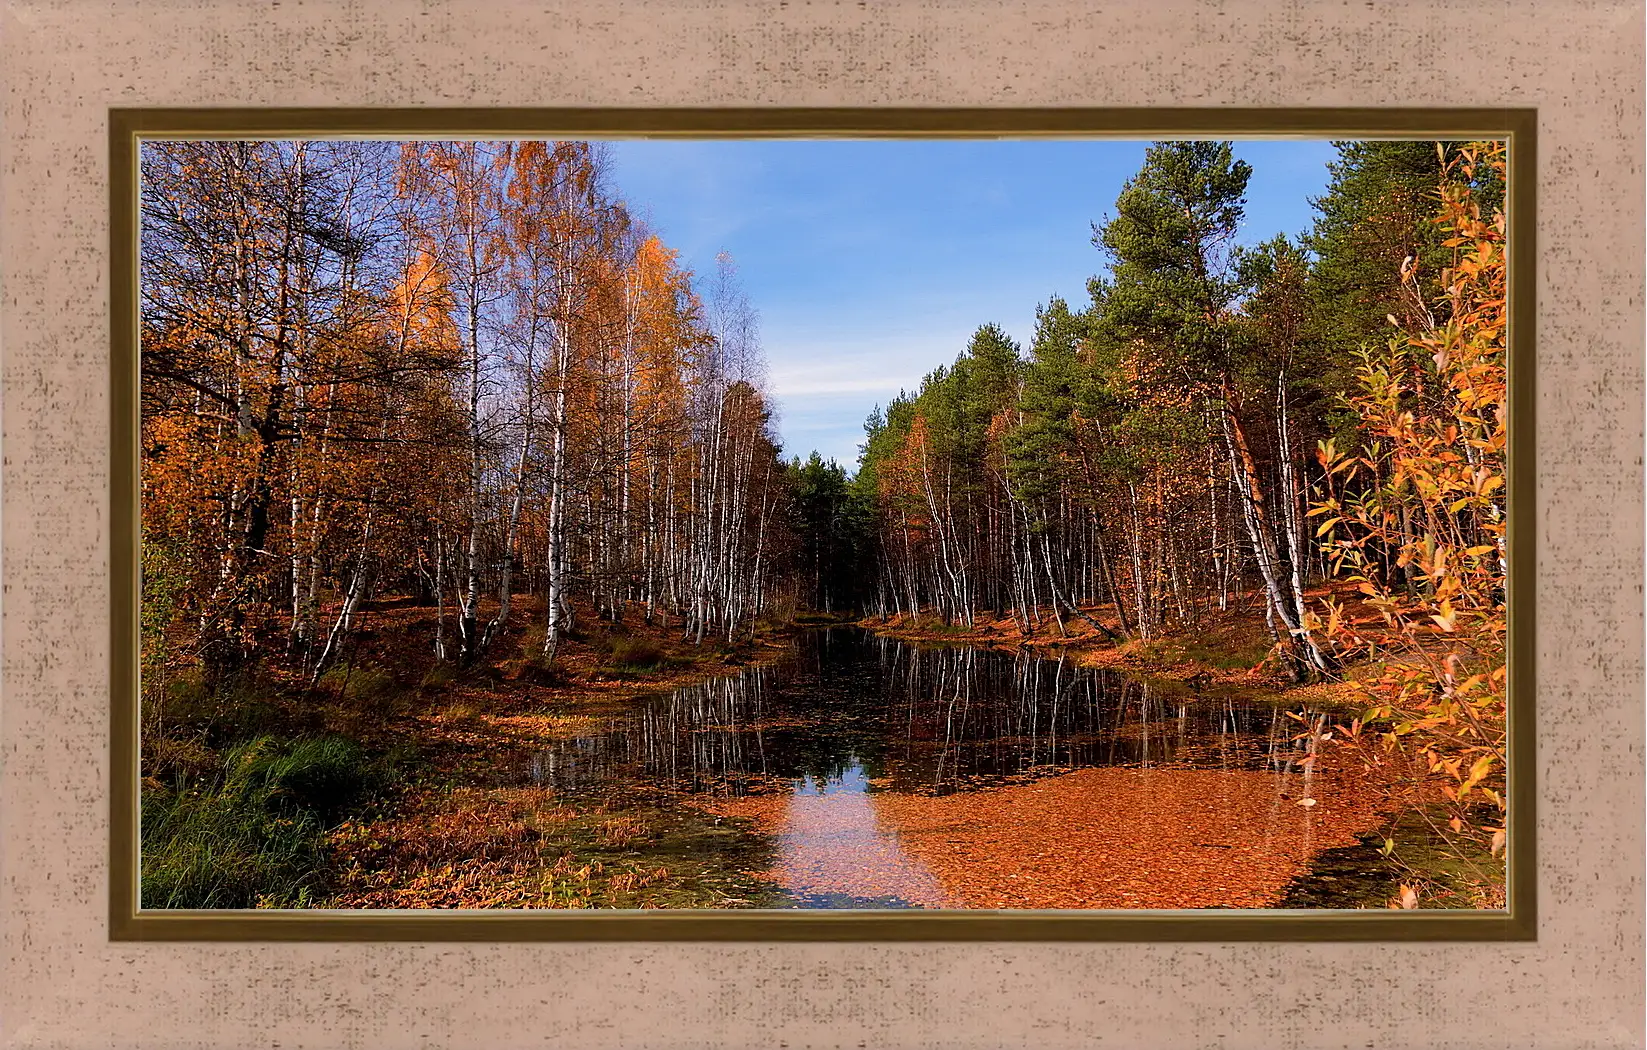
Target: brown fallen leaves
pixel 1123 838
pixel 468 848
pixel 1093 838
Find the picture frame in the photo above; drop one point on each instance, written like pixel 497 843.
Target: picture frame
pixel 66 982
pixel 128 128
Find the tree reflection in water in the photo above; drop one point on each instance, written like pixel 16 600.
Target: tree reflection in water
pixel 928 721
pixel 893 776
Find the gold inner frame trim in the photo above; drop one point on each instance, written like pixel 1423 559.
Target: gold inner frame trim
pixel 127 922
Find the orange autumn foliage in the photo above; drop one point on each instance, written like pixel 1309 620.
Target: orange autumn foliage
pixel 1416 517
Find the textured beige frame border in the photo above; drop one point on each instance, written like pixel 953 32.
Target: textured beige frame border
pixel 66 64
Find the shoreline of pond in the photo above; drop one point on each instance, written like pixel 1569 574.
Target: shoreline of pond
pixel 1369 873
pixel 536 850
pixel 1229 654
pixel 747 852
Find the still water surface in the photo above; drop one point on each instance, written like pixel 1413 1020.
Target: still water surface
pixel 852 722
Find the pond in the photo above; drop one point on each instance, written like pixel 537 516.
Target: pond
pixel 891 776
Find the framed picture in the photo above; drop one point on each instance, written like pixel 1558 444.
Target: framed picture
pixel 823 524
pixel 754 129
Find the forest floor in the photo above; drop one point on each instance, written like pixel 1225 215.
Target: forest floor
pixel 472 831
pixel 437 812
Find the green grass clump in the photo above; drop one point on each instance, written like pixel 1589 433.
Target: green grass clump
pixel 204 850
pixel 235 710
pixel 439 676
pixel 1233 659
pixel 324 776
pixel 636 654
pixel 251 836
pixel 368 688
pixel 540 670
pixel 937 625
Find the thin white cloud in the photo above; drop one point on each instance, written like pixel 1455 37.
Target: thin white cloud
pixel 827 381
pixel 819 426
pixel 813 383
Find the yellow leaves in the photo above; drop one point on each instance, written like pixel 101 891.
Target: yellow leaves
pixel 1478 772
pixel 1335 619
pixel 1469 684
pixel 1428 532
pixel 422 305
pixel 1445 618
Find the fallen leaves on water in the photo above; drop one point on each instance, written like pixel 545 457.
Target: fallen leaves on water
pixel 1092 838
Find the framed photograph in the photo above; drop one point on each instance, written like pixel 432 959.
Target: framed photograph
pixel 823 524
pixel 1201 395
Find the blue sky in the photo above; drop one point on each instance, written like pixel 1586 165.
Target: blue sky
pixel 872 262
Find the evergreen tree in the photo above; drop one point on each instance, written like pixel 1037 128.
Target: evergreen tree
pixel 830 529
pixel 1169 244
pixel 1175 285
pixel 1373 219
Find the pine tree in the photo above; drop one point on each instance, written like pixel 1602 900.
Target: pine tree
pixel 1372 219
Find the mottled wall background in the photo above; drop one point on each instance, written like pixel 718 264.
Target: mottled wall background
pixel 66 62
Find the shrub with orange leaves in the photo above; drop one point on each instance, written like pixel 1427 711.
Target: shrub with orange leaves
pixel 1415 517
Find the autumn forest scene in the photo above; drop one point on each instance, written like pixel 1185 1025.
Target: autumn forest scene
pixel 515 535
